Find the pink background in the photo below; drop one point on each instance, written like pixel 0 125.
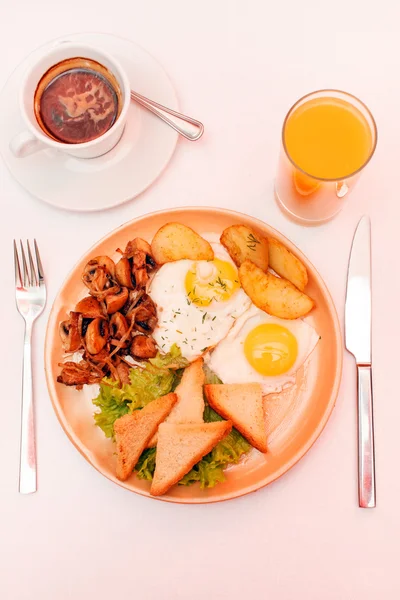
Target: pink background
pixel 237 66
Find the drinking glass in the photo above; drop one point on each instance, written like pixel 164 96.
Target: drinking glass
pixel 313 181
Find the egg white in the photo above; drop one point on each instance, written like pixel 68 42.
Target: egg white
pixel 229 363
pixel 193 328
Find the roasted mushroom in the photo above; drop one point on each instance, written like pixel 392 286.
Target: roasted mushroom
pixel 104 262
pixel 123 273
pixel 145 315
pixel 140 252
pixel 96 336
pixel 118 326
pixel 143 347
pixel 114 321
pixel 70 334
pixel 89 307
pixel 79 374
pixel 104 361
pixel 84 326
pixel 116 301
pixel 123 372
pixel 135 245
pixel 99 277
pixel 141 277
pixel 133 301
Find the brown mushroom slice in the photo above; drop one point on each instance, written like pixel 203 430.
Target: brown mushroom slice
pixel 69 333
pixel 135 298
pixel 100 359
pixel 143 347
pixel 123 273
pixel 147 326
pixel 141 277
pixel 139 260
pixel 140 251
pixel 116 301
pixel 146 315
pixel 123 372
pixel 79 374
pixel 96 336
pixel 100 267
pixel 118 326
pixel 84 325
pixel 89 307
pixel 137 244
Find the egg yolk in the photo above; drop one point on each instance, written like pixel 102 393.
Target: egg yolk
pixel 212 280
pixel 271 349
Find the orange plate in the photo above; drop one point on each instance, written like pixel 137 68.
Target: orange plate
pixel 295 418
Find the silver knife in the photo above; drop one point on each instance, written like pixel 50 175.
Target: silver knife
pixel 358 342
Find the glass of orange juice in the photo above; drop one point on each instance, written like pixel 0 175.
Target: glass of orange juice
pixel 328 137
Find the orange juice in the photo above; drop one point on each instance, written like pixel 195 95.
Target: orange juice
pixel 328 138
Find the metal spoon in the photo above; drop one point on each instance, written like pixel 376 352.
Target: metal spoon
pixel 190 128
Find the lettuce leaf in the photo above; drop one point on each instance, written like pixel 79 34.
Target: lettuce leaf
pixel 146 464
pixel 210 376
pixel 210 470
pixel 208 473
pixel 172 359
pixel 146 384
pixel 111 403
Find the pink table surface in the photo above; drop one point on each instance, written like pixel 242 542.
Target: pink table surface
pixel 237 66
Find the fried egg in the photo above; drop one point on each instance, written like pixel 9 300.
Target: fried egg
pixel 197 302
pixel 265 349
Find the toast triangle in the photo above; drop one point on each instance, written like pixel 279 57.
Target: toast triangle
pixel 180 447
pixel 133 432
pixel 242 403
pixel 190 405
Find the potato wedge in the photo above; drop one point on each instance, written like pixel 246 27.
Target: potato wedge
pixel 285 263
pixel 243 243
pixel 174 241
pixel 274 295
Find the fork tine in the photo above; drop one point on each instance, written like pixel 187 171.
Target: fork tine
pixel 34 278
pixel 18 278
pixel 39 263
pixel 25 266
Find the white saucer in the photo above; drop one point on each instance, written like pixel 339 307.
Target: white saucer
pixel 94 184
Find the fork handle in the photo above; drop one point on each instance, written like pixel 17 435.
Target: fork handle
pixel 27 465
pixel 366 453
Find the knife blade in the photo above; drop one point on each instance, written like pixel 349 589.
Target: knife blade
pixel 358 296
pixel 358 327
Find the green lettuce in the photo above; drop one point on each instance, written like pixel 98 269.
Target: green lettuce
pixel 146 383
pixel 157 377
pixel 210 470
pixel 210 376
pixel 172 359
pixel 112 406
pixel 146 464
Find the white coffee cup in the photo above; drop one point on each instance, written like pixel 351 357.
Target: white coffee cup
pixel 34 138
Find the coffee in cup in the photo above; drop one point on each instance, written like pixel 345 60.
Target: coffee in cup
pixel 77 100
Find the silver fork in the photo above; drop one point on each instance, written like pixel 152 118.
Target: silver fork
pixel 30 295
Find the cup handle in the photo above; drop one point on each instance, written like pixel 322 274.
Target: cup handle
pixel 341 189
pixel 24 144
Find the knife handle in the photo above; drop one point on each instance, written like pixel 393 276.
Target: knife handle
pixel 366 452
